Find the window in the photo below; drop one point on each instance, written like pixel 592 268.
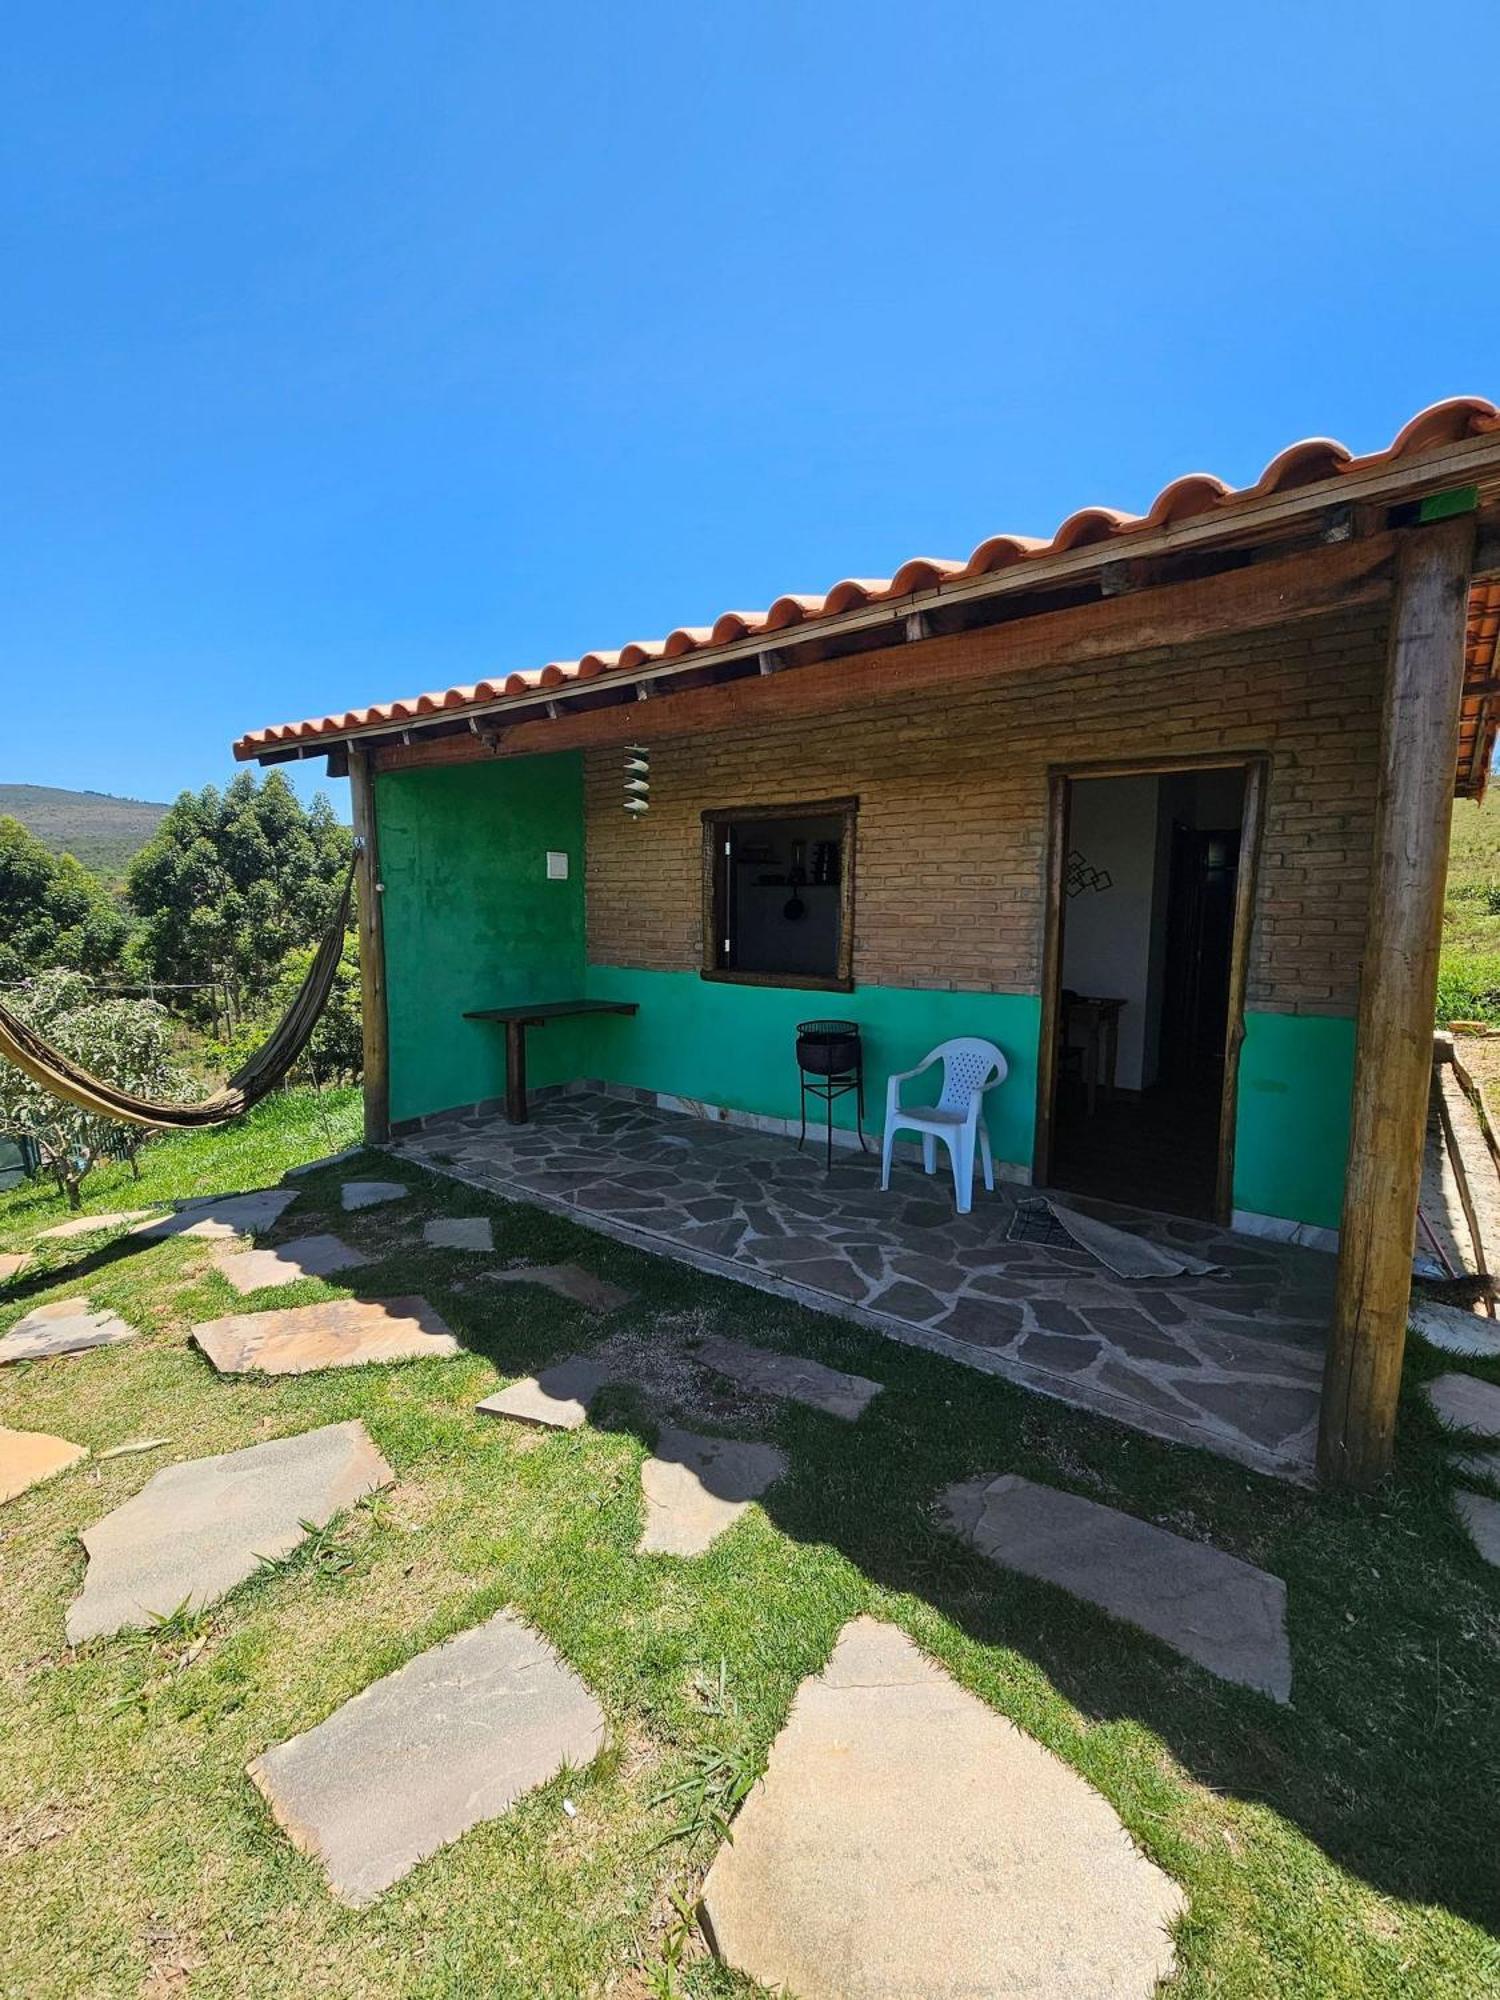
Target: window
pixel 778 894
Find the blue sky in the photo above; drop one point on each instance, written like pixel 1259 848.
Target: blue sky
pixel 353 350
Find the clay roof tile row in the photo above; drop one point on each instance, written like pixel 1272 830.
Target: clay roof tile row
pixel 1192 495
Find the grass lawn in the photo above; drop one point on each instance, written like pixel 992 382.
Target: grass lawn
pixel 1469 980
pixel 1345 1845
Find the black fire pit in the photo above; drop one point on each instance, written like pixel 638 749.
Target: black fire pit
pixel 831 1063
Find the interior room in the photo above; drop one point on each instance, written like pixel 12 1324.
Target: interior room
pixel 1147 938
pixel 778 899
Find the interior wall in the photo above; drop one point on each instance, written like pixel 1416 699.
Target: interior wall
pixel 1108 933
pixel 764 934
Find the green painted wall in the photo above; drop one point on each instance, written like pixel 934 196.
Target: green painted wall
pixel 472 921
pixel 1292 1128
pixel 733 1045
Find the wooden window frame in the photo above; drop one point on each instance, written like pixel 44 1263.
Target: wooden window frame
pixel 1256 766
pixel 715 818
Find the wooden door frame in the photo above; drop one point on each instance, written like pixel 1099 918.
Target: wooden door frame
pixel 1255 764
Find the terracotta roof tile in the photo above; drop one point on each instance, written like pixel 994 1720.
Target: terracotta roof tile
pixel 1189 497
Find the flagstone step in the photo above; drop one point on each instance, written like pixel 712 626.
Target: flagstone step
pixel 372 1194
pixel 789 1375
pixel 66 1326
pixel 1217 1610
pixel 569 1281
pixel 338 1333
pixel 12 1264
pixel 303 1257
pixel 696 1487
pixel 1465 1403
pixel 459 1232
pixel 89 1225
pixel 197 1529
pixel 558 1398
pixel 1454 1330
pixel 1481 1516
pixel 29 1457
pixel 906 1840
pixel 453 1738
pixel 221 1215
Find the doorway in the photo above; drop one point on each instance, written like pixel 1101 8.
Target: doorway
pixel 1150 895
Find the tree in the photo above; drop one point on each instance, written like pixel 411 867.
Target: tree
pixel 335 1049
pixel 126 1042
pixel 55 912
pixel 234 882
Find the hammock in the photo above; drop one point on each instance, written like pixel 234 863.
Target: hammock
pixel 265 1069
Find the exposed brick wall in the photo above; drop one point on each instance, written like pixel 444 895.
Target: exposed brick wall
pixel 953 792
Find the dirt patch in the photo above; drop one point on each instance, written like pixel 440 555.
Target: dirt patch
pixel 657 1359
pixel 1480 1056
pixel 24 1832
pixel 171 1960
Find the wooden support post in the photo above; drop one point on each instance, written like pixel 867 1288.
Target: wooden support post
pixel 371 953
pixel 1398 987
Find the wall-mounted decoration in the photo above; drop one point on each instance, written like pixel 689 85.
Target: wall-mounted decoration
pixel 1080 876
pixel 637 779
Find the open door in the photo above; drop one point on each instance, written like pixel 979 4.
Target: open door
pixel 1150 891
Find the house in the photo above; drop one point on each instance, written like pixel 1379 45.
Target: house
pixel 1159 805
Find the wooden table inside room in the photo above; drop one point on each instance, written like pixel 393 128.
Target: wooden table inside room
pixel 516 1020
pixel 1099 1019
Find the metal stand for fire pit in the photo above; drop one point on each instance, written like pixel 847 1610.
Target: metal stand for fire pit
pixel 831 1063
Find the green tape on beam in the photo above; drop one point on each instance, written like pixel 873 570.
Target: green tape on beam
pixel 1443 506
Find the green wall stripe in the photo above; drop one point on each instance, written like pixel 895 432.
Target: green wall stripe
pixel 1292 1127
pixel 720 1043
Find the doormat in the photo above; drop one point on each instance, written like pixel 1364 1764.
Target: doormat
pixel 1118 1250
pixel 1035 1222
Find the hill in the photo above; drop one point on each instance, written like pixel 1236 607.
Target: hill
pixel 99 830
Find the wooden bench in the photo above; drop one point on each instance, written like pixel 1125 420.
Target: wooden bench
pixel 516 1020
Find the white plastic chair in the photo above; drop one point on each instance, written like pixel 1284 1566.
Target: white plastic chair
pixel 971 1067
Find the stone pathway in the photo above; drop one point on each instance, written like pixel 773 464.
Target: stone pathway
pixel 696 1487
pixel 558 1398
pixel 303 1257
pixel 1232 1362
pixel 89 1225
pixel 1215 1609
pixel 789 1375
pixel 453 1738
pixel 459 1232
pixel 29 1457
pixel 1481 1516
pixel 197 1529
pixel 1462 1402
pixel 1479 1465
pixel 67 1326
pixel 906 1840
pixel 371 1194
pixel 569 1281
pixel 1455 1331
pixel 12 1265
pixel 340 1333
pixel 221 1215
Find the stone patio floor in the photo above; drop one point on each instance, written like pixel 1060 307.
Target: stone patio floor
pixel 1230 1361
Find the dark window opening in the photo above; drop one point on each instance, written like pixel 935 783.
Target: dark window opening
pixel 778 894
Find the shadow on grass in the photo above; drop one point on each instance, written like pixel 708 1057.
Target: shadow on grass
pixel 1387 1756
